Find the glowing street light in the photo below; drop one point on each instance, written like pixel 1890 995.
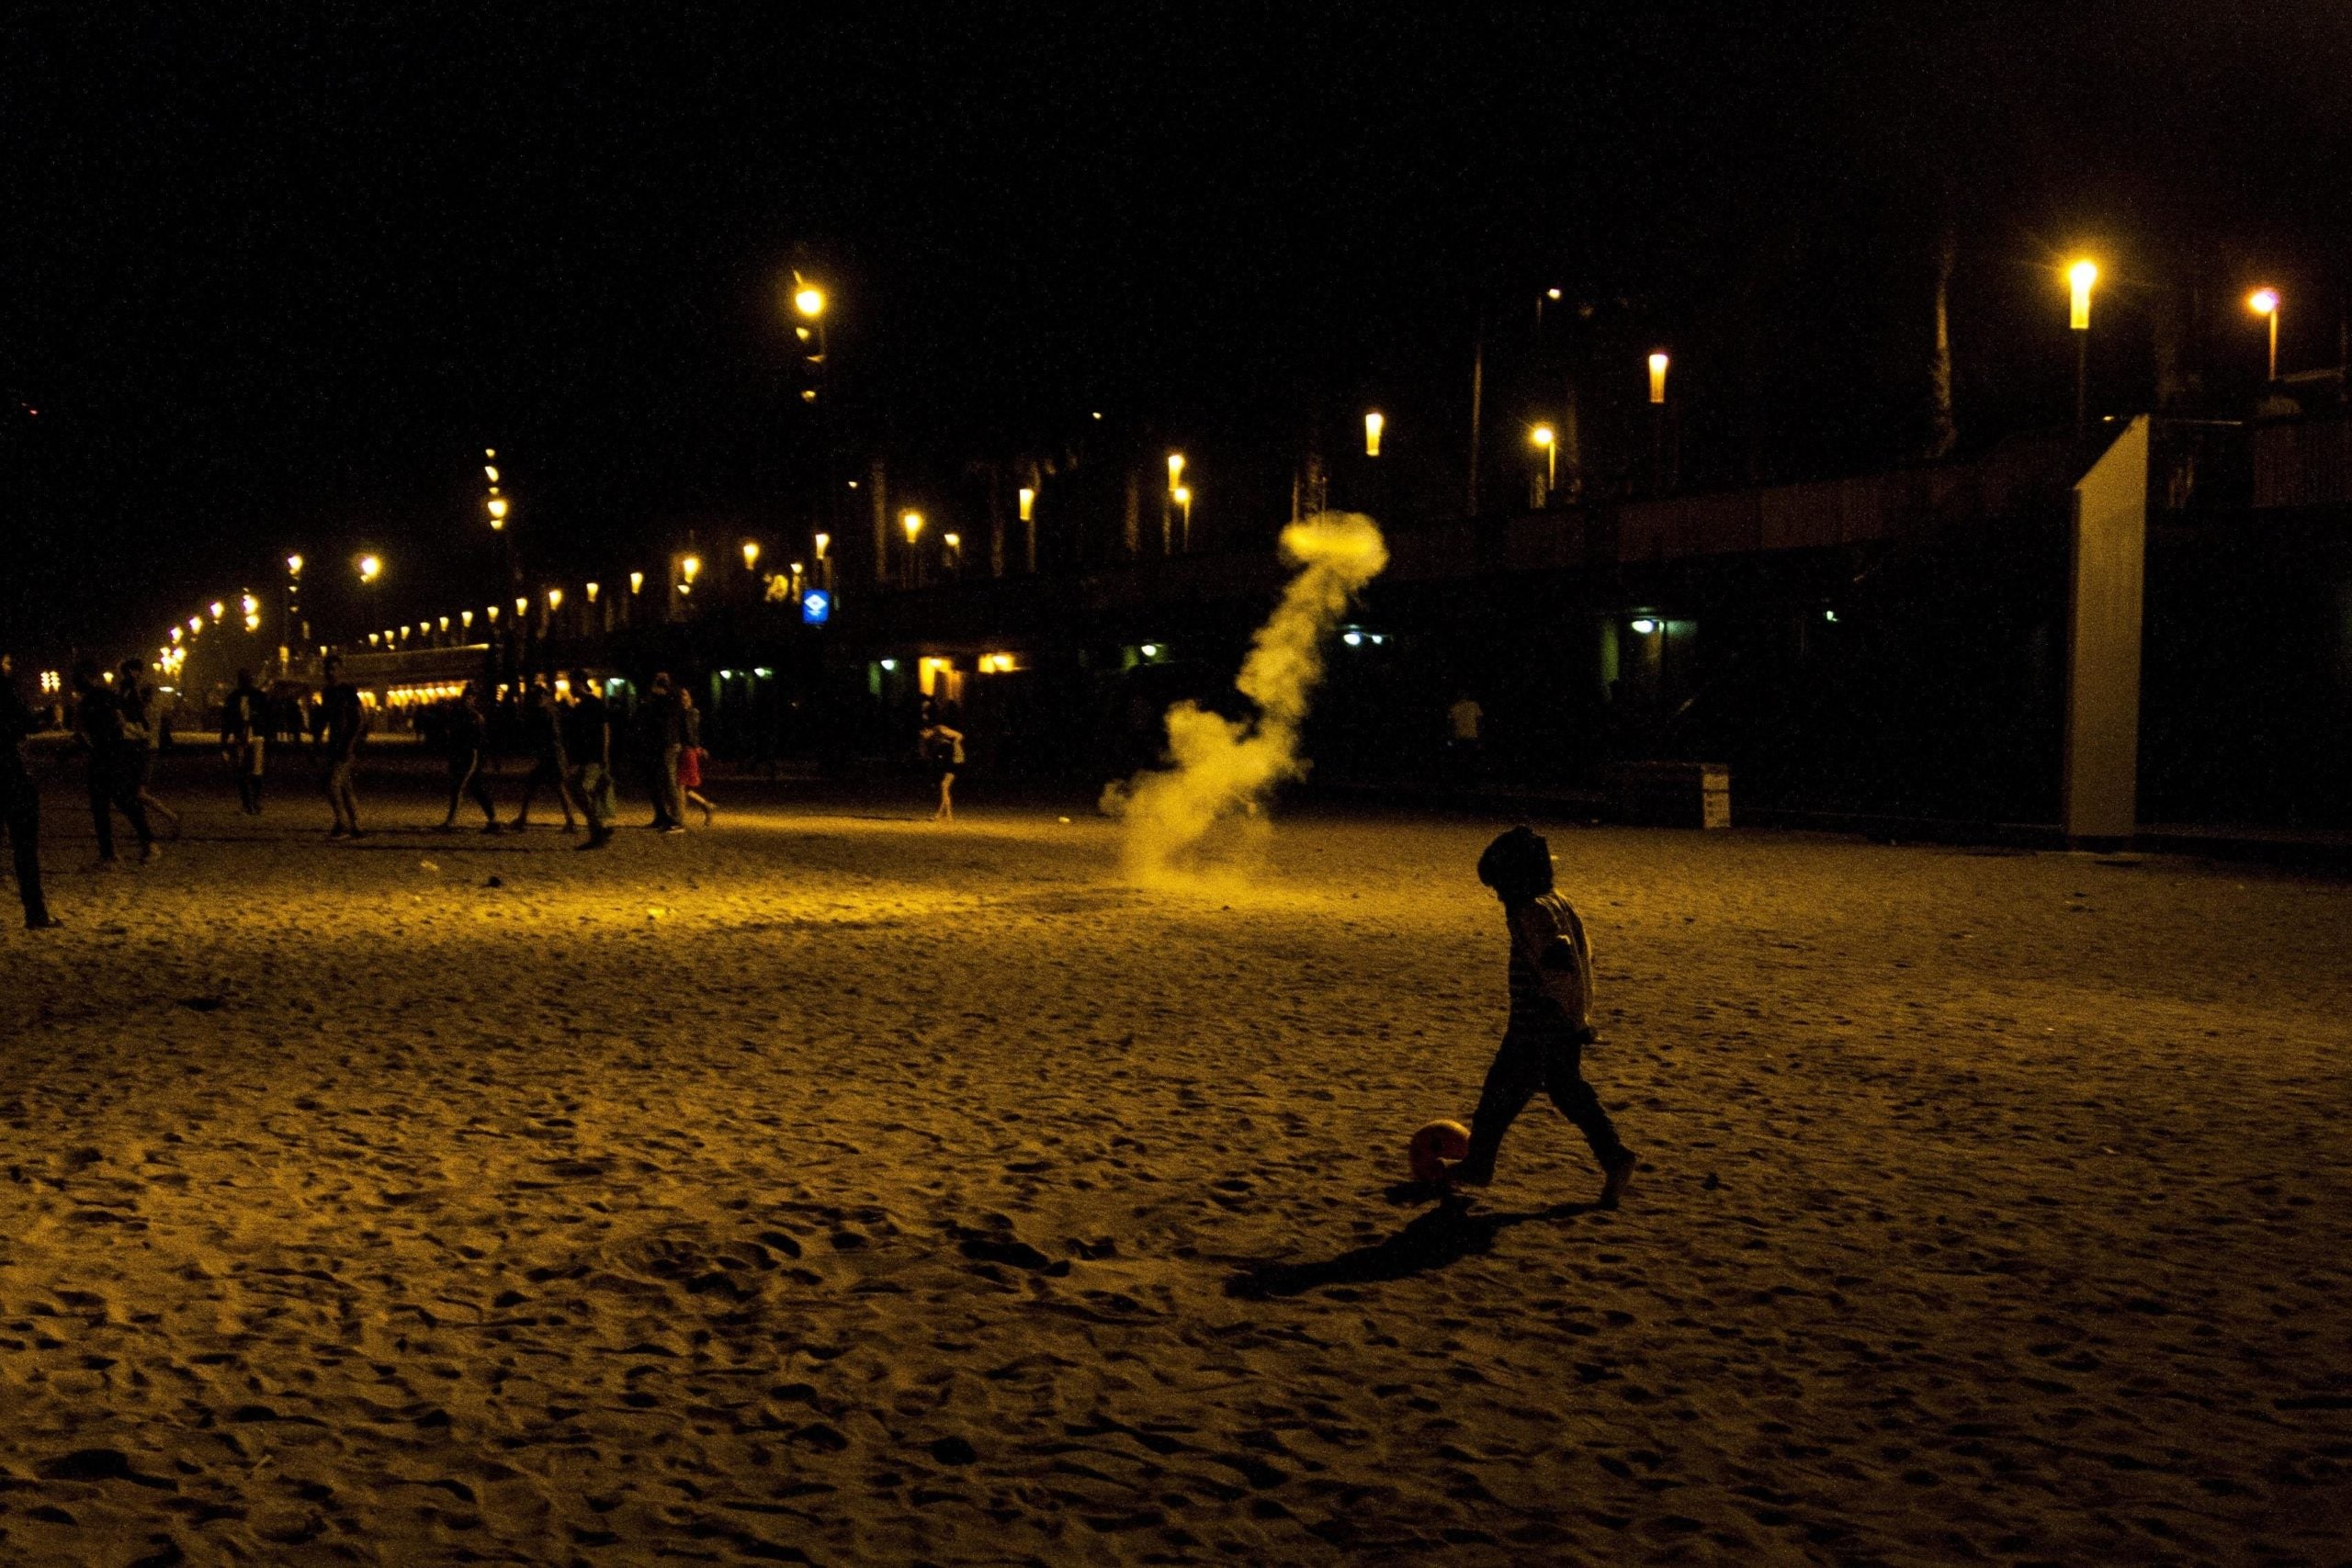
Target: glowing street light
pixel 554 600
pixel 592 588
pixel 1374 423
pixel 2263 301
pixel 913 522
pixel 1175 471
pixel 217 608
pixel 370 568
pixel 466 620
pixel 636 581
pixel 496 506
pixel 493 611
pixel 1028 504
pixel 2080 279
pixel 809 300
pixel 294 565
pixel 521 606
pixel 1541 438
pixel 822 541
pixel 1183 495
pixel 690 568
pixel 751 555
pixel 1658 376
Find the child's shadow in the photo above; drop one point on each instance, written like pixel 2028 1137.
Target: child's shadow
pixel 1446 1233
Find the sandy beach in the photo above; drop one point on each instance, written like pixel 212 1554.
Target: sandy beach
pixel 834 1188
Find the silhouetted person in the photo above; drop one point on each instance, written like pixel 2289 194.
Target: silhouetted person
pixel 691 757
pixel 19 800
pixel 943 753
pixel 113 775
pixel 343 722
pixel 543 734
pixel 588 741
pixel 142 728
pixel 244 735
pixel 660 733
pixel 463 735
pixel 1551 994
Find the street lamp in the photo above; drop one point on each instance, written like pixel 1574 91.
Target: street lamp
pixel 751 555
pixel 1542 439
pixel 370 568
pixel 809 300
pixel 554 600
pixel 2080 277
pixel 1374 423
pixel 1658 376
pixel 690 568
pixel 497 507
pixel 913 522
pixel 1175 471
pixel 2263 301
pixel 217 608
pixel 636 581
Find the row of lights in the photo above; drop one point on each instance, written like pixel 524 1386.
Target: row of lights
pixel 173 654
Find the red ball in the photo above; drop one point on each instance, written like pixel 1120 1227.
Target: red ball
pixel 1434 1145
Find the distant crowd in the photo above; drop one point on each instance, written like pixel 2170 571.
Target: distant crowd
pixel 577 741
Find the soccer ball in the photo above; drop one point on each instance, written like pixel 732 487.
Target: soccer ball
pixel 1434 1145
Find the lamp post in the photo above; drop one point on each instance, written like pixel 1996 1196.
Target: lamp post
pixel 1183 497
pixel 2080 278
pixel 1541 438
pixel 290 632
pixel 1168 503
pixel 1374 423
pixel 2263 301
pixel 913 522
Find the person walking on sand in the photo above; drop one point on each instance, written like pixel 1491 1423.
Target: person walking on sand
pixel 1551 997
pixel 943 750
pixel 142 728
pixel 543 732
pixel 660 736
pixel 462 735
pixel 19 800
pixel 588 740
pixel 691 757
pixel 245 733
pixel 113 778
pixel 342 721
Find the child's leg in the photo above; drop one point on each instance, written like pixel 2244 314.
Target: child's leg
pixel 1511 1082
pixel 1563 1077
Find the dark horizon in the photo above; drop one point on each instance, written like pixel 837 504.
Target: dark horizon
pixel 276 283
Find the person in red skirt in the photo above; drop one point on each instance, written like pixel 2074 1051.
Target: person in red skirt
pixel 690 757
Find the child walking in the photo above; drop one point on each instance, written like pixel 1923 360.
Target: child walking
pixel 1551 995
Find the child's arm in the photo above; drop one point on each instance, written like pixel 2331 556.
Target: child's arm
pixel 1558 958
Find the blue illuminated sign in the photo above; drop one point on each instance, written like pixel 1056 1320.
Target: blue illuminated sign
pixel 816 607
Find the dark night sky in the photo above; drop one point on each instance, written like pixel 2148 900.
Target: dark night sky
pixel 274 275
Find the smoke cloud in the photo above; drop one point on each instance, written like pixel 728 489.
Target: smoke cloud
pixel 1223 770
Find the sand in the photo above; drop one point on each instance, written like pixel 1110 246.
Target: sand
pixel 834 1188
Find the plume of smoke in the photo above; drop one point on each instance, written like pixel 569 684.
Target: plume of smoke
pixel 1224 770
